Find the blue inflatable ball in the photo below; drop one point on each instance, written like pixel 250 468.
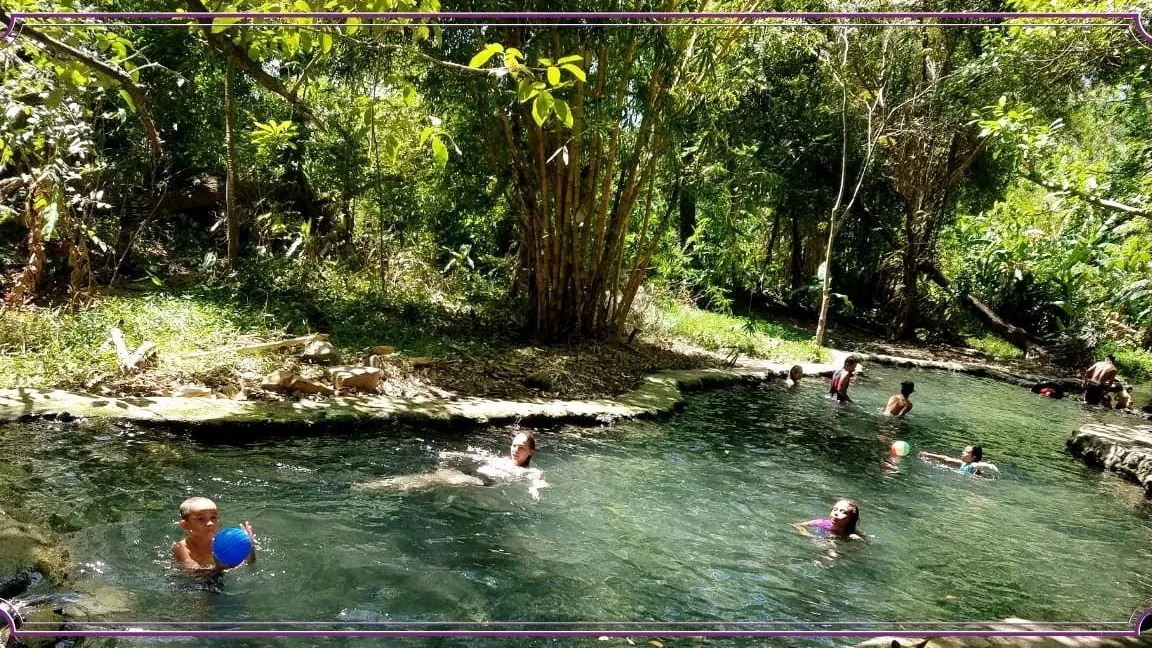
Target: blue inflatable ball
pixel 231 546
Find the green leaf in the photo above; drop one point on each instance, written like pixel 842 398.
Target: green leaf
pixel 409 94
pixel 524 90
pixel 425 134
pixel 541 106
pixel 554 75
pixel 440 151
pixel 513 53
pixel 487 53
pixel 300 5
pixel 128 100
pixel 538 114
pixel 570 59
pixel 78 77
pixel 325 43
pixel 563 112
pixel 220 24
pixel 353 25
pixel 575 71
pixel 545 61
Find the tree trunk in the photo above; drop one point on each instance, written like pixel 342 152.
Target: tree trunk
pixel 1019 337
pixel 687 215
pixel 797 261
pixel 230 167
pixel 772 239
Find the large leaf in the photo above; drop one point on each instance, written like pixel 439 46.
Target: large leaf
pixel 554 75
pixel 563 112
pixel 485 54
pixel 220 24
pixel 440 151
pixel 575 71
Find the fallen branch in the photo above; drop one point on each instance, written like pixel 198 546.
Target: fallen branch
pixel 298 341
pixel 130 362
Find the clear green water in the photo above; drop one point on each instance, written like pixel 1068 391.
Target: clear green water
pixel 681 520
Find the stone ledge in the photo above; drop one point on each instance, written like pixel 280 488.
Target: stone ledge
pixel 658 394
pixel 1123 449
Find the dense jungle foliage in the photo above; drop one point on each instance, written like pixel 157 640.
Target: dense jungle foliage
pixel 975 184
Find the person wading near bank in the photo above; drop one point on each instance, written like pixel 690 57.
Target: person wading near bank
pixel 1098 378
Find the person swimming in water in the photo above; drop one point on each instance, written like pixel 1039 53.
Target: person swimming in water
pixel 971 461
pixel 477 468
pixel 794 376
pixel 840 523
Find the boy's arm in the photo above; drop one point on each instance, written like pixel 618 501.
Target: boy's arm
pixel 939 457
pixel 893 405
pixel 247 526
pixel 907 408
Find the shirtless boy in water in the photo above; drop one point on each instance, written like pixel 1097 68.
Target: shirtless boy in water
pixel 899 404
pixel 200 520
pixel 838 388
pixel 1097 379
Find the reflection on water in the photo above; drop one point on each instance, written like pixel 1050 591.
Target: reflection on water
pixel 682 520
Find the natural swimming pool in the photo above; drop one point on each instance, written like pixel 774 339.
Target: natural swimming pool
pixel 686 519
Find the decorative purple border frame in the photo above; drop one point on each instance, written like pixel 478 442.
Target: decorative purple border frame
pixel 589 630
pixel 615 18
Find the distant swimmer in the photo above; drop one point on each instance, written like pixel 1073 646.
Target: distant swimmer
pixel 476 468
pixel 970 462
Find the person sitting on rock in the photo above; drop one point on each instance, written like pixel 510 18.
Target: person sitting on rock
pixel 477 468
pixel 970 462
pixel 1098 378
pixel 899 404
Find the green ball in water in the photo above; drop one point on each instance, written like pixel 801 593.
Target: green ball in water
pixel 901 448
pixel 231 546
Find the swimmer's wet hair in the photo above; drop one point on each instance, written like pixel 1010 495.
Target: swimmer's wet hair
pixel 907 387
pixel 977 453
pixel 796 369
pixel 193 503
pixel 852 359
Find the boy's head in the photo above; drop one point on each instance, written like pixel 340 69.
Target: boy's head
pixel 851 362
pixel 972 453
pixel 523 447
pixel 1110 358
pixel 796 373
pixel 907 387
pixel 199 517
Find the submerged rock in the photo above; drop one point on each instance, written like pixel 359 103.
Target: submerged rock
pixel 29 555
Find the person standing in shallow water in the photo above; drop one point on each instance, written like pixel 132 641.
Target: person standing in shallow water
pixel 1098 378
pixel 899 404
pixel 838 388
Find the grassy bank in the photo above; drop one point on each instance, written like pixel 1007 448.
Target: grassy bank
pixel 420 313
